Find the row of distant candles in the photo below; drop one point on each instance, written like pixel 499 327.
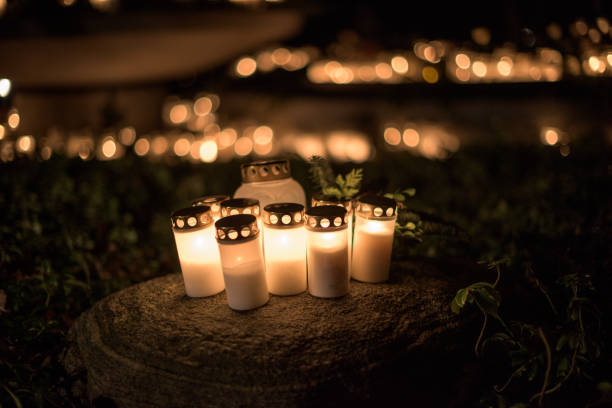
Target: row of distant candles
pixel 284 250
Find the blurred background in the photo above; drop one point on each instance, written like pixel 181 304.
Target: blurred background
pixel 494 116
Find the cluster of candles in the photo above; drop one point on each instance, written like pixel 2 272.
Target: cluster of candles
pixel 230 243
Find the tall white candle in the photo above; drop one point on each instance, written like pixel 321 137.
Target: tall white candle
pixel 213 201
pixel 285 248
pixel 194 235
pixel 374 229
pixel 242 262
pixel 327 251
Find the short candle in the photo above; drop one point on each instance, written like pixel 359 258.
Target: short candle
pixel 242 261
pixel 320 199
pixel 374 228
pixel 285 248
pixel 327 251
pixel 213 201
pixel 194 235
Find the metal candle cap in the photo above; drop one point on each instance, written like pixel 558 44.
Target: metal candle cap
pixel 321 199
pixel 236 228
pixel 326 218
pixel 265 170
pixel 191 218
pixel 281 215
pixel 236 206
pixel 213 201
pixel 374 206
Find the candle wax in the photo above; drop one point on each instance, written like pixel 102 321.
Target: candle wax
pixel 245 285
pixel 328 271
pixel 371 253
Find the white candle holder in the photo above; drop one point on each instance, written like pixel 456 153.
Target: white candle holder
pixel 327 251
pixel 213 201
pixel 285 248
pixel 242 262
pixel 270 182
pixel 374 228
pixel 194 235
pixel 320 199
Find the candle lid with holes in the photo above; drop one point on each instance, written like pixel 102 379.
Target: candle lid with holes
pixel 321 199
pixel 191 218
pixel 326 218
pixel 374 206
pixel 265 170
pixel 236 228
pixel 213 201
pixel 237 206
pixel 283 215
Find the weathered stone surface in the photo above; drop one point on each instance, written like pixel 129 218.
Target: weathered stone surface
pixel 150 345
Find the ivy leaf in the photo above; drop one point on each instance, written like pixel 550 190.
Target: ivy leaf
pixel 459 301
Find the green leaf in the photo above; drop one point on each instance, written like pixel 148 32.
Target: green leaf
pixel 332 191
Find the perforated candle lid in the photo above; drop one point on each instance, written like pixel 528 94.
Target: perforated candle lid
pixel 374 206
pixel 237 206
pixel 213 201
pixel 283 215
pixel 326 218
pixel 321 199
pixel 265 170
pixel 191 218
pixel 236 228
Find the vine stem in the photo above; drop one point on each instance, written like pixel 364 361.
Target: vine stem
pixel 502 388
pixel 498 276
pixel 484 324
pixel 548 365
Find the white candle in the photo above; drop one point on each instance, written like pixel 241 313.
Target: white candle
pixel 194 235
pixel 242 262
pixel 285 248
pixel 213 201
pixel 319 200
pixel 327 251
pixel 374 229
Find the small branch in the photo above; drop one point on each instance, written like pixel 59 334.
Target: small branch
pixel 484 324
pixel 498 275
pixel 498 389
pixel 548 367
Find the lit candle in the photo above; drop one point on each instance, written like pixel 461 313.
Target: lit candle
pixel 285 248
pixel 327 251
pixel 197 250
pixel 213 201
pixel 374 228
pixel 320 199
pixel 235 206
pixel 242 262
pixel 270 182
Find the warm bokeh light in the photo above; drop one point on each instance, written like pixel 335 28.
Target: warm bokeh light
pixel 179 113
pixel 2 7
pixel 504 66
pixel 246 66
pixel 141 147
pixel 2 132
pixel 46 152
pixel 263 149
pixel 182 147
pixel 13 119
pixel 462 74
pixel 564 150
pixel 358 149
pixel 281 56
pixel 550 136
pixel 159 145
pixel 431 54
pixel 264 61
pixel 581 27
pixel 603 24
pixel 535 73
pixel 594 63
pixel 392 136
pixel 410 137
pixel 383 70
pixel 202 106
pixel 554 31
pixel 227 137
pixel 109 147
pixel 366 73
pixel 479 69
pixel 342 76
pixel 208 151
pixel 594 35
pixel 609 58
pixel 463 61
pixel 309 146
pixel 399 64
pixel 25 144
pixel 263 135
pixel 5 87
pixel 430 75
pixel 430 147
pixel 481 35
pixel 317 74
pixel 127 136
pixel 243 146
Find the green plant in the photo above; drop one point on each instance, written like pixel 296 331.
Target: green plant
pixel 341 187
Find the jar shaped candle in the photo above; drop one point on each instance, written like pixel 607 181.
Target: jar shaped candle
pixel 270 181
pixel 374 228
pixel 327 251
pixel 242 262
pixel 194 235
pixel 321 199
pixel 235 206
pixel 285 248
pixel 213 201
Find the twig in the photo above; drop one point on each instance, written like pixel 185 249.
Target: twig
pixel 484 324
pixel 548 367
pixel 498 389
pixel 498 275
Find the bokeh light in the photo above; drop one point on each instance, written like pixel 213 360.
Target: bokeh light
pixel 399 64
pixel 410 137
pixel 208 151
pixel 246 66
pixel 5 87
pixel 392 136
pixel 141 147
pixel 243 146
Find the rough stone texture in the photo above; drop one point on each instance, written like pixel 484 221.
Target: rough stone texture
pixel 150 345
